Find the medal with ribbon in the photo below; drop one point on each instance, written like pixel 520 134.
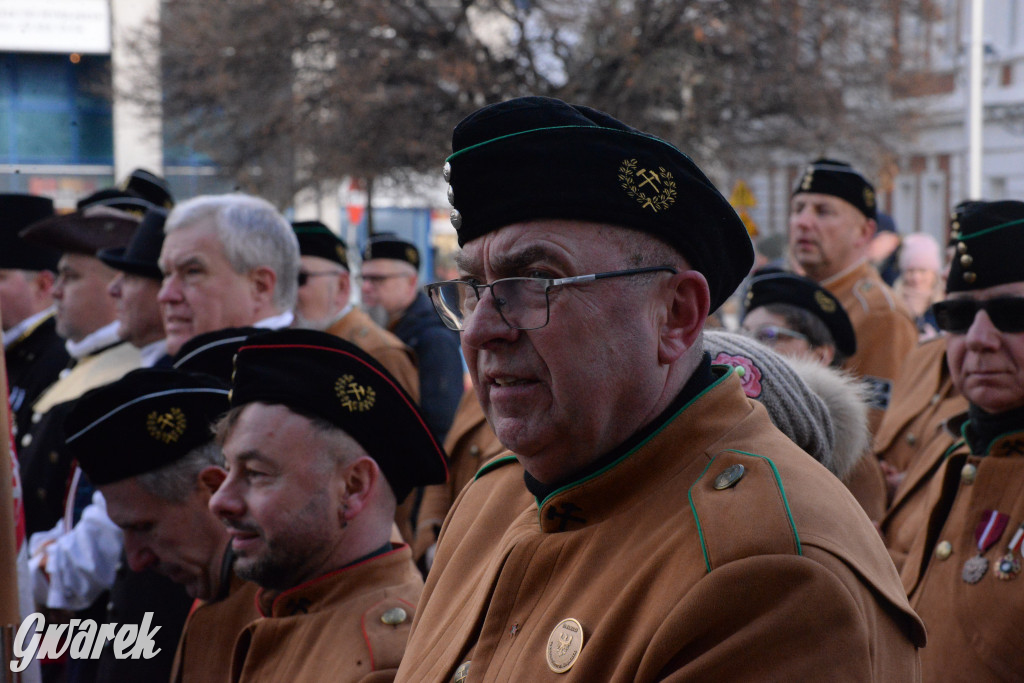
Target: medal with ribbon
pixel 988 531
pixel 1009 566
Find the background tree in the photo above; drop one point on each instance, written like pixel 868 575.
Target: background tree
pixel 284 94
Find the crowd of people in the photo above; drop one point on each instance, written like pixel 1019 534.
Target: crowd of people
pixel 295 483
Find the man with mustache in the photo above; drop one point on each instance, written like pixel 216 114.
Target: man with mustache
pixel 320 443
pixel 963 569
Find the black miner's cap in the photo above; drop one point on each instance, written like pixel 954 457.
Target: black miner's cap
pixel 988 239
pixel 536 158
pixel 390 245
pixel 316 239
pixel 213 353
pixel 774 286
pixel 839 179
pixel 319 374
pixel 17 211
pixel 146 420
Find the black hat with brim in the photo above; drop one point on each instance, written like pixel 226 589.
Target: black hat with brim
pixel 320 375
pixel 988 238
pixel 839 179
pixel 316 239
pixel 391 246
pixel 142 255
pixel 143 422
pixel 18 211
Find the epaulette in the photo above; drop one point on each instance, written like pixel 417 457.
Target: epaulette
pixel 741 510
pixel 494 463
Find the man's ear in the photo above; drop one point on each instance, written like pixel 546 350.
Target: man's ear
pixel 210 479
pixel 264 280
pixel 341 299
pixel 358 482
pixel 689 305
pixel 868 230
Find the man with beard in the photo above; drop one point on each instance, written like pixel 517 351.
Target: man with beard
pixel 320 442
pixel 963 569
pixel 145 442
pixel 325 303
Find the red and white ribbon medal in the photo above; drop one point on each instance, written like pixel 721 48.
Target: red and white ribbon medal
pixel 1009 566
pixel 986 534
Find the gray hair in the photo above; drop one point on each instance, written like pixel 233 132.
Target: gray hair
pixel 253 234
pixel 176 481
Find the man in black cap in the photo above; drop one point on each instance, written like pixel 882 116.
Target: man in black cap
pixel 33 351
pixel 963 571
pixel 320 443
pixel 86 319
pixel 325 303
pixel 135 288
pixel 145 442
pixel 390 277
pixel 831 223
pixel 640 532
pixel 832 219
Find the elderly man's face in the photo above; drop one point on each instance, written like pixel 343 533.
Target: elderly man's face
pixel 564 394
pixel 201 292
pixel 325 293
pixel 826 234
pixel 388 283
pixel 180 540
pixel 280 500
pixel 83 305
pixel 987 365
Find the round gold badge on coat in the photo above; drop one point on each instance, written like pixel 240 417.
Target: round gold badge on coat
pixel 564 645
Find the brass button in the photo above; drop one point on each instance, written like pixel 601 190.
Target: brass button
pixel 462 673
pixel 456 218
pixel 474 450
pixel 944 550
pixel 394 616
pixel 26 440
pixel 451 195
pixel 970 277
pixel 968 473
pixel 966 260
pixel 911 439
pixel 447 172
pixel 934 399
pixel 729 476
pixel 961 248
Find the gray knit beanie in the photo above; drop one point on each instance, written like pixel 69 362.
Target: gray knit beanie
pixel 768 378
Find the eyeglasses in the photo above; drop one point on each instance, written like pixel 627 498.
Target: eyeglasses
pixel 957 315
pixel 522 302
pixel 770 334
pixel 378 279
pixel 304 275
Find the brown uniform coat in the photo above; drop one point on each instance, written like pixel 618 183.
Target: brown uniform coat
pixel 974 631
pixel 388 350
pixel 207 644
pixel 885 335
pixel 779 577
pixel 470 443
pixel 333 628
pixel 913 437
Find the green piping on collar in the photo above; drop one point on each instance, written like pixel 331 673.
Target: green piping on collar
pixel 782 492
pixel 494 464
pixel 666 423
